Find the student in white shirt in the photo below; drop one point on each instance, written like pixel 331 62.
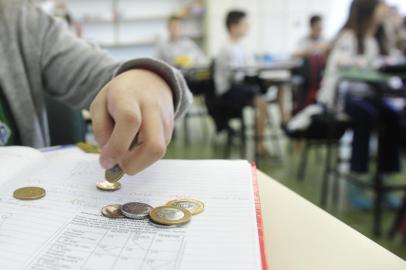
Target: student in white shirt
pixel 179 50
pixel 314 42
pixel 358 46
pixel 230 73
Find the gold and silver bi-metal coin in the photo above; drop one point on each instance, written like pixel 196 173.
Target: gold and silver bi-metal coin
pixel 112 211
pixel 29 193
pixel 170 215
pixel 136 210
pixel 107 186
pixel 114 174
pixel 193 206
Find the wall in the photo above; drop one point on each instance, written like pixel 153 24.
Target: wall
pixel 276 25
pixel 132 28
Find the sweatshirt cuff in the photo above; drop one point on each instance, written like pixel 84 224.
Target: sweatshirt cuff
pixel 182 96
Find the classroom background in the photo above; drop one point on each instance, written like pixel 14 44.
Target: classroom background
pixel 316 167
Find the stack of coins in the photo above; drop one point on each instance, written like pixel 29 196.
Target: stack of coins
pixel 175 213
pixel 112 178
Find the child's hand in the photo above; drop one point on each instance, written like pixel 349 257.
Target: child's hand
pixel 136 101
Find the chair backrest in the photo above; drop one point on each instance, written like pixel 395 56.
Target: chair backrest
pixel 212 101
pixel 311 73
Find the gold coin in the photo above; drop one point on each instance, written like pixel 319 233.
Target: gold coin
pixel 112 211
pixel 114 174
pixel 170 215
pixel 88 148
pixel 193 206
pixel 107 186
pixel 29 193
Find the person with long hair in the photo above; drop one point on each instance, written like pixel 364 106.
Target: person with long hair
pixel 356 45
pixel 361 44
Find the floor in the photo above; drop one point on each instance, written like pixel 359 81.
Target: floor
pixel 203 143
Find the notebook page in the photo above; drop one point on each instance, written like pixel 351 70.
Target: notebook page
pixel 65 230
pixel 14 159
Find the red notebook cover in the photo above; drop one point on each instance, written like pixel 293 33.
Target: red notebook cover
pixel 260 224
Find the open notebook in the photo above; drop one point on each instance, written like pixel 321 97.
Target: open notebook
pixel 65 229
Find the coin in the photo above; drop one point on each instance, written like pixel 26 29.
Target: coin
pixel 161 226
pixel 88 148
pixel 29 193
pixel 170 215
pixel 112 211
pixel 136 210
pixel 193 206
pixel 107 186
pixel 114 174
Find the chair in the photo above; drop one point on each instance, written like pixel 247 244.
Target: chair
pixel 198 81
pixel 308 78
pixel 222 115
pixel 326 130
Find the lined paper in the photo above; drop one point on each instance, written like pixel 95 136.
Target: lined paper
pixel 65 230
pixel 15 159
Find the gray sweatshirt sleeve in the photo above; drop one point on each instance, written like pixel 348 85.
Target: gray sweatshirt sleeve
pixel 73 71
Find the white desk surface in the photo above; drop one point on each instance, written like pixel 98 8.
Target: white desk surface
pixel 299 235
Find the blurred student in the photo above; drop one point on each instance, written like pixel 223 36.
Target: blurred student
pixel 179 50
pixel 402 41
pixel 392 30
pixel 312 49
pixel 403 36
pixel 357 47
pixel 40 56
pixel 230 74
pixel 368 112
pixel 313 42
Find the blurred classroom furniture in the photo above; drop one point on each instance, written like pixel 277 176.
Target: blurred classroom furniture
pixel 380 83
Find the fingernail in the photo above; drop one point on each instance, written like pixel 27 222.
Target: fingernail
pixel 107 162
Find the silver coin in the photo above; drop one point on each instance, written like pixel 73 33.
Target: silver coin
pixel 136 210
